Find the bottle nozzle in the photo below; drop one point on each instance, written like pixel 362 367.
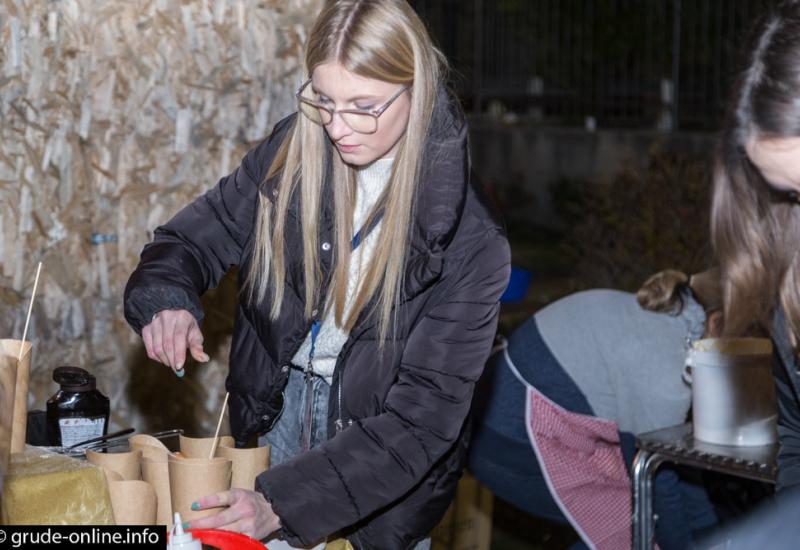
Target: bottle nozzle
pixel 178 523
pixel 179 540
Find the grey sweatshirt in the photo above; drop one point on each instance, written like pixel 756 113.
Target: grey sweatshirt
pixel 626 360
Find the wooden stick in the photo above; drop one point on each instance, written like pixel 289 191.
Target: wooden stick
pixel 219 424
pixel 30 308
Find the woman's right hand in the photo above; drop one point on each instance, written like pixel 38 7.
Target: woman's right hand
pixel 168 336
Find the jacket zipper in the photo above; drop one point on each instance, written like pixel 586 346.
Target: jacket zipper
pixel 339 422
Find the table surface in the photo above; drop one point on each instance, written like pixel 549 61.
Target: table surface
pixel 677 444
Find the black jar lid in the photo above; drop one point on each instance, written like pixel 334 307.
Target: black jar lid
pixel 74 379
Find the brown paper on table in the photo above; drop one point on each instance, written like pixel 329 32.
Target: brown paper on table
pixel 111 475
pixel 44 488
pixel 20 419
pixel 193 478
pixel 150 447
pixel 134 502
pixel 156 473
pixel 200 447
pixel 126 464
pixel 8 381
pixel 338 544
pixel 246 465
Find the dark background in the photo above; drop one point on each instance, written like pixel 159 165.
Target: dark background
pixel 593 126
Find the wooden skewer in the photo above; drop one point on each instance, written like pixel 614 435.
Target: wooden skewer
pixel 219 424
pixel 30 308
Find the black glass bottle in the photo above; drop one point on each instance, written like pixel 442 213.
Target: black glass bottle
pixel 77 411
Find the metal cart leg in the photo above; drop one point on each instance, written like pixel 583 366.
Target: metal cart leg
pixel 644 467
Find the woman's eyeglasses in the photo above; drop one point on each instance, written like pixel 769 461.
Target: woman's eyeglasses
pixel 363 121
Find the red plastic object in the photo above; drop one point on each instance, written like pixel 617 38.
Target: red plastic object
pixel 226 540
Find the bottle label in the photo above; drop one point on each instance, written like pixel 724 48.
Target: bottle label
pixel 75 430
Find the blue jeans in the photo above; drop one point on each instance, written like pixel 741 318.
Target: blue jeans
pixel 501 457
pixel 287 435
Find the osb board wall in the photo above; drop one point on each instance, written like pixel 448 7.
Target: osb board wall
pixel 113 115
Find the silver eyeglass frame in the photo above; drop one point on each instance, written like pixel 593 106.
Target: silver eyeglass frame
pixel 374 113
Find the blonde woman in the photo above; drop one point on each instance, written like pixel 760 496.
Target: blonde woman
pixel 755 213
pixel 371 269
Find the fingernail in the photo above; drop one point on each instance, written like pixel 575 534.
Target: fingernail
pixel 179 366
pixel 195 506
pixel 180 373
pixel 185 525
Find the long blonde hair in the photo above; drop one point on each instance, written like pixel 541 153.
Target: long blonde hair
pixel 378 39
pixel 755 237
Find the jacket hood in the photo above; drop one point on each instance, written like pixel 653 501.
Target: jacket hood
pixel 444 176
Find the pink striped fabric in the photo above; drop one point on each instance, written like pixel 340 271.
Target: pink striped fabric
pixel 582 462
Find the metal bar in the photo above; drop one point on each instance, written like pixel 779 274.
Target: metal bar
pixel 676 62
pixel 645 465
pixel 571 52
pixel 477 61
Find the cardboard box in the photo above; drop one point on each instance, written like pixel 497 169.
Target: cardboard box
pixel 467 525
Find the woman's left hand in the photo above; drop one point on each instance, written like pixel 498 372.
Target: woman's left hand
pixel 247 512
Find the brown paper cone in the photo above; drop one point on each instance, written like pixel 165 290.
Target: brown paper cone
pixel 8 381
pixel 126 464
pixel 150 447
pixel 193 478
pixel 246 465
pixel 134 502
pixel 20 419
pixel 200 447
pixel 156 473
pixel 111 475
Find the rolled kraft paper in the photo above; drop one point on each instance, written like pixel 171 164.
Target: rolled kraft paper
pixel 20 420
pixel 246 465
pixel 126 464
pixel 8 381
pixel 134 502
pixel 111 475
pixel 156 473
pixel 150 447
pixel 193 478
pixel 200 447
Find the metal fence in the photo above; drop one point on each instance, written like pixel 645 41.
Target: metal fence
pixel 664 64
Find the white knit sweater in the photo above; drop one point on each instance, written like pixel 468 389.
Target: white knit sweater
pixel 370 183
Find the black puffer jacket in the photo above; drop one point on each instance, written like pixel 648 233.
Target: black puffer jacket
pixel 387 478
pixel 786 373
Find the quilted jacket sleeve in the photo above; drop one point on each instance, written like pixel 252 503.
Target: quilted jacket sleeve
pixel 379 459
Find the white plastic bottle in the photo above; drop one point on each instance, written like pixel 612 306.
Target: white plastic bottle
pixel 178 540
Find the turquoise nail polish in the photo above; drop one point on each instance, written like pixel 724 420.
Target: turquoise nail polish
pixel 195 506
pixel 180 373
pixel 185 525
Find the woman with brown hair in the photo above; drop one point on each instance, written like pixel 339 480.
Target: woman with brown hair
pixel 370 272
pixel 755 214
